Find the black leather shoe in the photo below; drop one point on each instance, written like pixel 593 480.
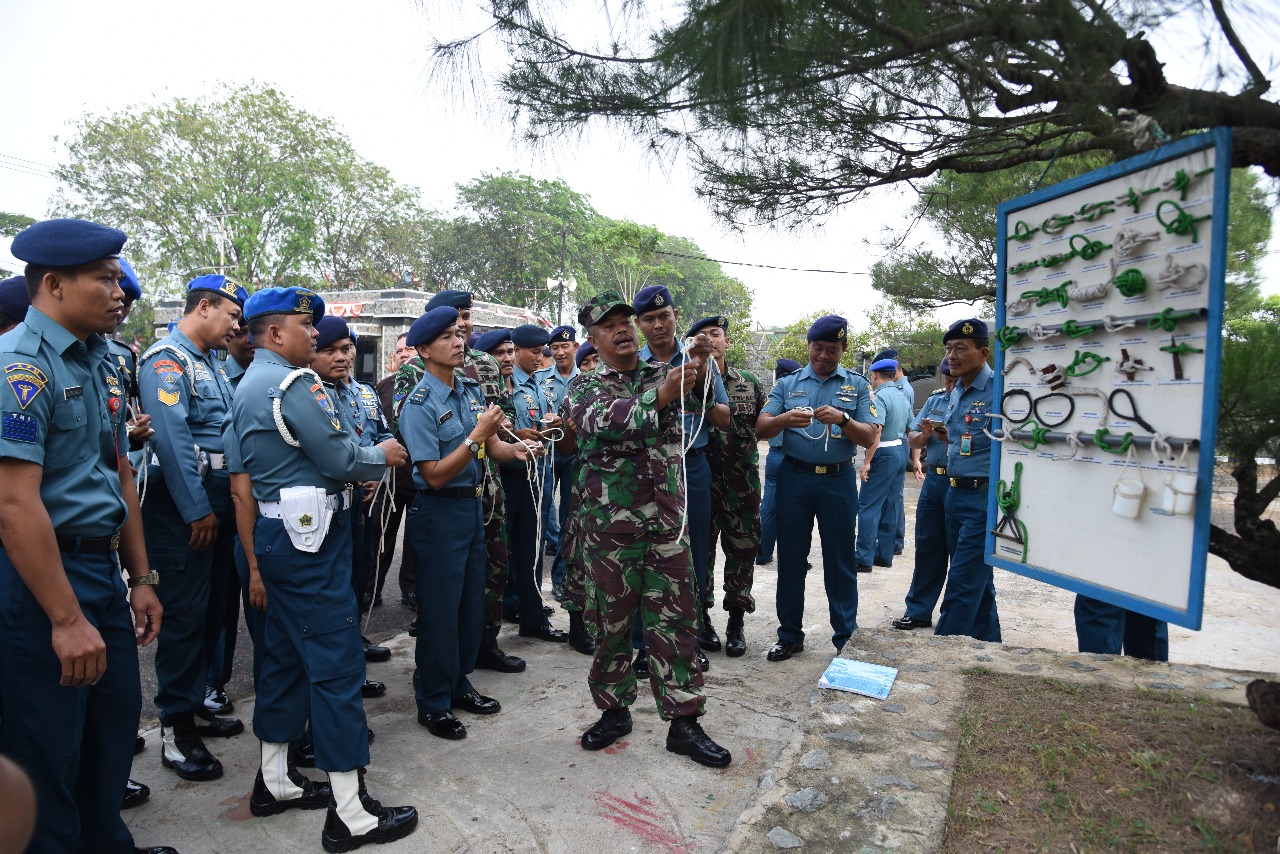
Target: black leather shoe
pixel 372 688
pixel 366 602
pixel 687 738
pixel 443 725
pixel 413 628
pixel 314 796
pixel 909 623
pixel 703 662
pixel 547 633
pixel 477 704
pixel 613 725
pixel 782 650
pixel 410 600
pixel 579 638
pixel 193 760
pixel 217 702
pixel 548 610
pixel 862 568
pixel 897 551
pixel 493 658
pixel 641 665
pixel 393 823
pixel 887 564
pixel 135 794
pixel 139 745
pixel 735 639
pixel 158 849
pixel 373 652
pixel 708 640
pixel 216 727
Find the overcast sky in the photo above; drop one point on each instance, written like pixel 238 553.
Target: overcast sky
pixel 366 65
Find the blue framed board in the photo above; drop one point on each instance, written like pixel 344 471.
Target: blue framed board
pixel 1107 352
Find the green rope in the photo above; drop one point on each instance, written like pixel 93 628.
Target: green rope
pixel 1007 336
pixel 1017 269
pixel 1077 330
pixel 1008 499
pixel 1180 349
pixel 1082 358
pixel 1099 439
pixel 1022 231
pixel 1057 223
pixel 1090 211
pixel 1091 248
pixel 1167 320
pixel 1048 295
pixel 1131 282
pixel 1183 223
pixel 1039 436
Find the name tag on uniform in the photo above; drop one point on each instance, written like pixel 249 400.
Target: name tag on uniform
pixel 445 417
pixel 798 394
pixel 75 392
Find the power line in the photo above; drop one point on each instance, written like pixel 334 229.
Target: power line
pixel 761 266
pixel 44 166
pixel 24 171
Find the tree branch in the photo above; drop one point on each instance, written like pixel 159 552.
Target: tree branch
pixel 1259 83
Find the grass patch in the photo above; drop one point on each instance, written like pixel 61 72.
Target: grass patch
pixel 1047 765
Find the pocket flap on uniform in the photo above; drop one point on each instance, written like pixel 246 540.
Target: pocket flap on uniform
pixel 333 618
pixel 69 415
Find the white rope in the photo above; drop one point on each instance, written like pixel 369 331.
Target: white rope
pixel 1106 407
pixel 277 402
pixel 1003 431
pixel 1130 240
pixel 1013 363
pixel 1112 324
pixel 685 445
pixel 1173 271
pixel 1020 307
pixel 1074 443
pixel 1039 333
pixel 1160 448
pixel 385 489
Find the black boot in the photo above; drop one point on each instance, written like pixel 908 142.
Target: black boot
pixel 686 737
pixel 735 640
pixel 293 789
pixel 182 750
pixel 493 658
pixel 351 804
pixel 579 639
pixel 613 725
pixel 708 640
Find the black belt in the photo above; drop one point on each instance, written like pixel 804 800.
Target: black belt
pixel 971 482
pixel 938 470
pixel 88 545
pixel 695 452
pixel 829 468
pixel 457 492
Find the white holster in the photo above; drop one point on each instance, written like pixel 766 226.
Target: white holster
pixel 306 512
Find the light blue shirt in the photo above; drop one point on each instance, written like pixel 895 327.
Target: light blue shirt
pixel 968 411
pixel 935 407
pixel 555 383
pixel 896 412
pixel 843 389
pixel 434 422
pixel 692 420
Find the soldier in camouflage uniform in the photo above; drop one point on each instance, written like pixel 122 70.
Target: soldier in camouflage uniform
pixel 735 490
pixel 481 368
pixel 626 415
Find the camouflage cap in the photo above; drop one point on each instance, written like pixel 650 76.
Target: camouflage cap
pixel 606 302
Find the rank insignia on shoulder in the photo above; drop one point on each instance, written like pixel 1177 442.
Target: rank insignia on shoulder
pixel 18 427
pixel 419 395
pixel 874 414
pixel 26 380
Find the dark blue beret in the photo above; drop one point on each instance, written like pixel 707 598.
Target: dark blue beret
pixel 130 285
pixel 220 285
pixel 451 298
pixel 652 297
pixel 491 340
pixel 529 335
pixel 430 326
pixel 564 333
pixel 831 327
pixel 330 329
pixel 67 243
pixel 284 301
pixel 885 354
pixel 944 368
pixel 884 365
pixel 721 321
pixel 583 352
pixel 14 299
pixel 786 366
pixel 968 328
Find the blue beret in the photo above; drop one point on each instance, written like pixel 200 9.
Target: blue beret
pixel 14 299
pixel 454 299
pixel 968 328
pixel 652 297
pixel 831 327
pixel 491 340
pixel 284 301
pixel 944 368
pixel 330 329
pixel 131 286
pixel 67 243
pixel 564 333
pixel 884 365
pixel 429 327
pixel 722 322
pixel 885 354
pixel 786 366
pixel 171 325
pixel 529 335
pixel 220 285
pixel 583 352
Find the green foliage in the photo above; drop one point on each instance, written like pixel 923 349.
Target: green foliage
pixel 1249 397
pixel 12 223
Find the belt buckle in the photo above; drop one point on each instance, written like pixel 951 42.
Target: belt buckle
pixel 953 481
pixel 115 541
pixel 819 469
pixel 479 491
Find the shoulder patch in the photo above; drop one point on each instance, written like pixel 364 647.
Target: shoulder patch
pixel 18 427
pixel 26 380
pixel 327 405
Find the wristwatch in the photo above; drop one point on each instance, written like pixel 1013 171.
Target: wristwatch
pixel 846 420
pixel 152 578
pixel 473 447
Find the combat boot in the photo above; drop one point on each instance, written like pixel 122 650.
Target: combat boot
pixel 708 640
pixel 281 786
pixel 735 639
pixel 613 725
pixel 182 750
pixel 686 737
pixel 491 657
pixel 356 819
pixel 579 638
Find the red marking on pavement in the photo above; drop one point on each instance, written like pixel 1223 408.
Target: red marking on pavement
pixel 640 816
pixel 237 808
pixel 618 748
pixel 752 756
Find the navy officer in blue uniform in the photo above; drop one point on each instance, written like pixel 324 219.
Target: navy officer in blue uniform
pixel 969 600
pixel 817 479
pixel 931 516
pixel 447 426
pixel 187 515
pixel 555 379
pixel 902 384
pixel 299 460
pixel 69 523
pixel 882 472
pixel 14 302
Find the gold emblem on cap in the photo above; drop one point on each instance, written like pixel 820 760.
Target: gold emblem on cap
pixel 229 287
pixel 840 332
pixel 720 321
pixel 304 302
pixel 657 300
pixel 967 329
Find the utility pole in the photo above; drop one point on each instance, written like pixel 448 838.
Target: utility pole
pixel 222 239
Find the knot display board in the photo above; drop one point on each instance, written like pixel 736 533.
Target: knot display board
pixel 1107 351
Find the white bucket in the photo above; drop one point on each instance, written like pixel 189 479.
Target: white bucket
pixel 1128 500
pixel 1179 494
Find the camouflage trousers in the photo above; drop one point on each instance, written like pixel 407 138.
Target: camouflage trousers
pixel 735 523
pixel 497 548
pixel 575 570
pixel 651 574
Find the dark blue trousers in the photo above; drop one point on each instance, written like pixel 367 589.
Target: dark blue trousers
pixel 550 518
pixel 1102 627
pixel 900 536
pixel 931 547
pixel 526 552
pixel 969 601
pixel 450 595
pixel 186 580
pixel 254 620
pixel 563 471
pixel 223 622
pixel 833 500
pixel 769 503
pixel 312 661
pixel 878 505
pixel 76 744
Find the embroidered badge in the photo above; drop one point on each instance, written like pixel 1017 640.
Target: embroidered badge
pixel 658 300
pixel 200 372
pixel 26 380
pixel 170 374
pixel 18 427
pixel 327 406
pixel 305 520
